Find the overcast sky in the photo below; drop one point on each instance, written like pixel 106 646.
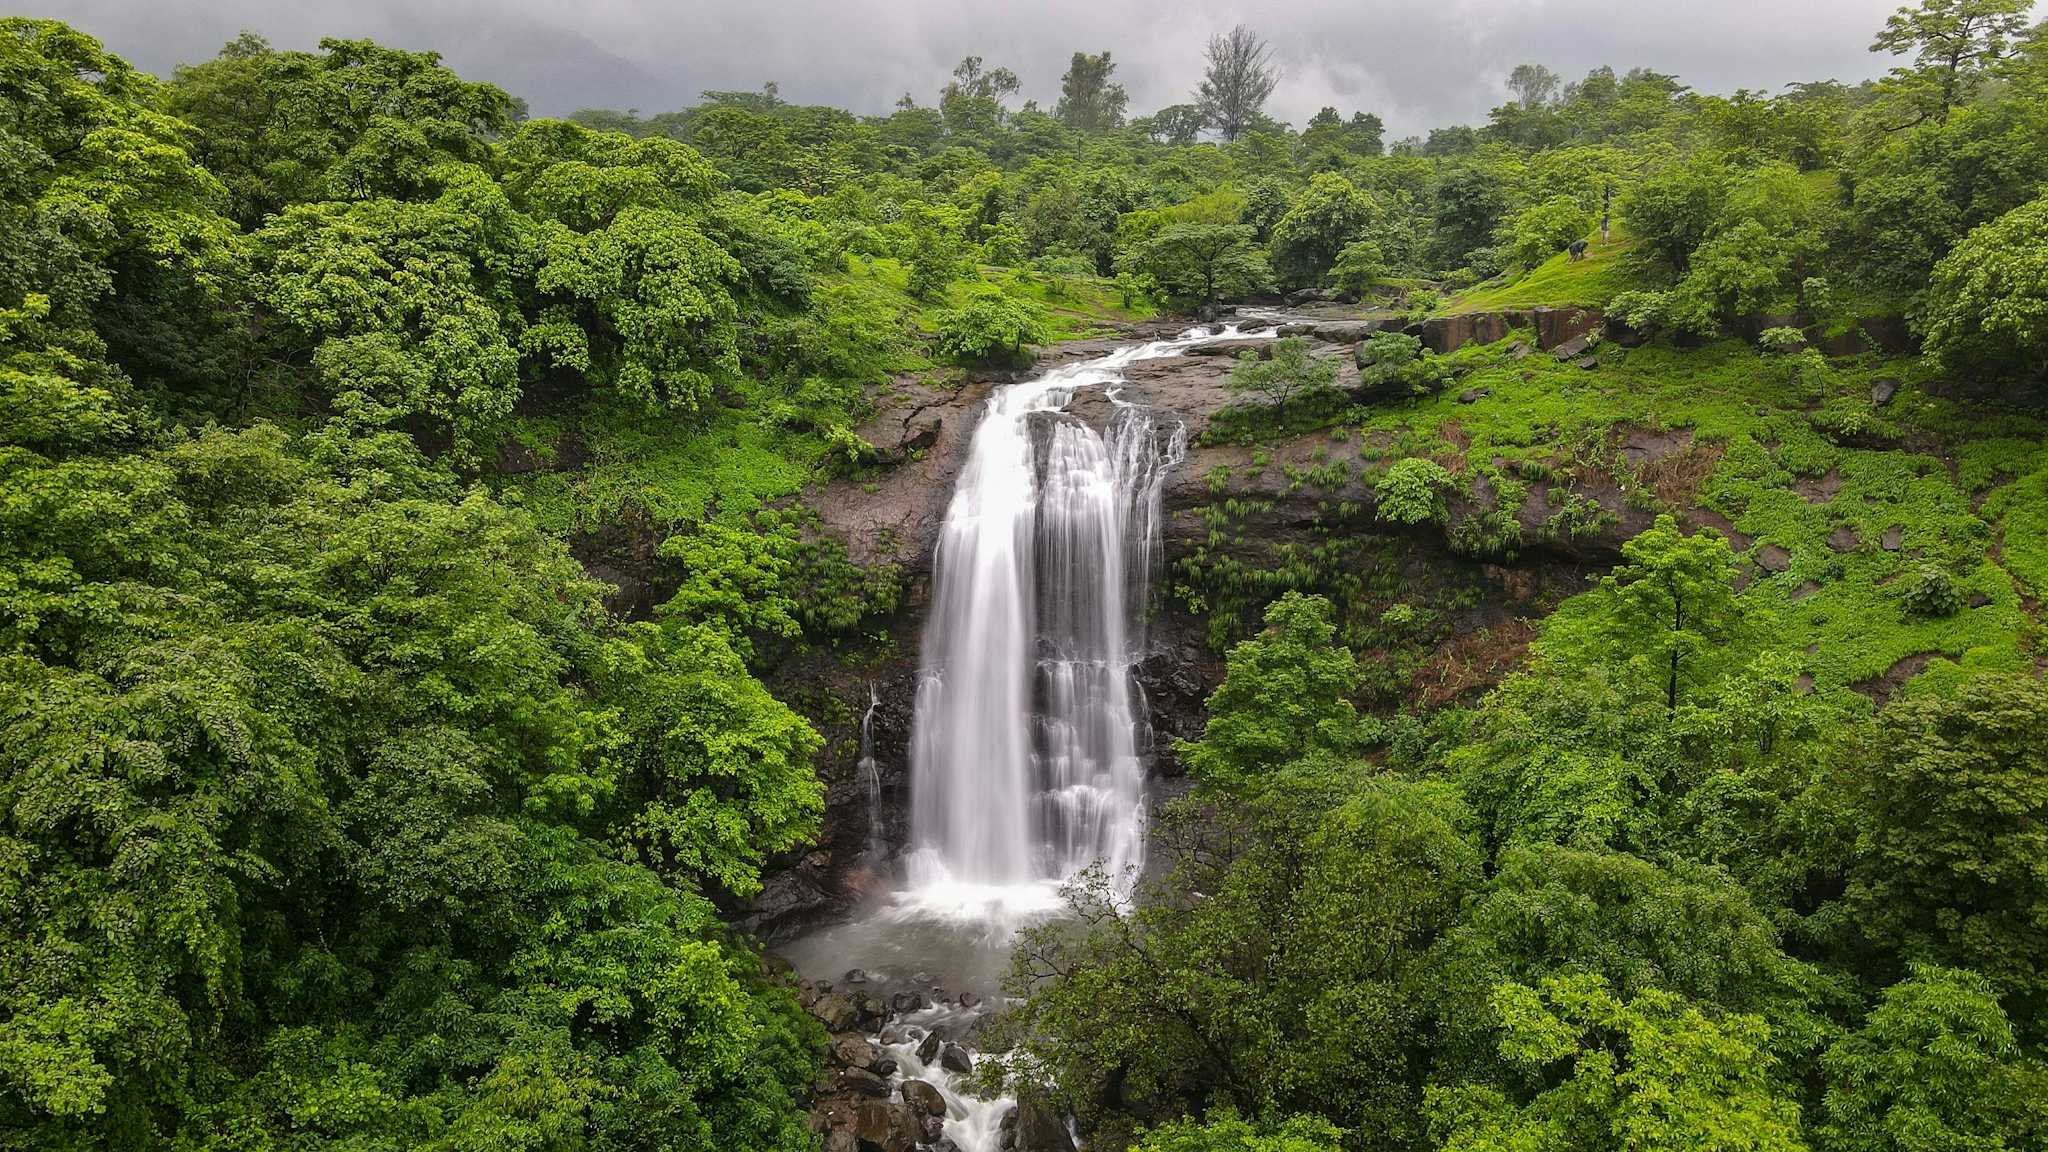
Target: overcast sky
pixel 1418 63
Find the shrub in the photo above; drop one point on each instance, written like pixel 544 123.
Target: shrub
pixel 990 328
pixel 1394 365
pixel 1358 268
pixel 1291 373
pixel 1412 491
pixel 1781 340
pixel 1931 593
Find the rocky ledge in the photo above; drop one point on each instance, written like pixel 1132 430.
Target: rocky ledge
pixel 894 514
pixel 893 1077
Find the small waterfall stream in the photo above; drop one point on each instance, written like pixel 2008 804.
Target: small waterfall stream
pixel 870 773
pixel 1028 736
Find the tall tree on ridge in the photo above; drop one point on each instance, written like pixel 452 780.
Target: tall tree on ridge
pixel 1239 77
pixel 1088 99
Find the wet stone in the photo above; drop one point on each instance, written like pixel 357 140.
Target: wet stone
pixel 955 1058
pixel 862 1082
pixel 919 1094
pixel 853 1051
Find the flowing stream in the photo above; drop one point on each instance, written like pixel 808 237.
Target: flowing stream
pixel 1029 734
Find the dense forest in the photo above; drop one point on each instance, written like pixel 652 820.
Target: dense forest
pixel 409 507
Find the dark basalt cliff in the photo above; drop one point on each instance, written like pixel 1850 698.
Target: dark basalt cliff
pixel 894 513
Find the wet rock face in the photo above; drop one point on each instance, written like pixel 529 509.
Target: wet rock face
pixel 894 514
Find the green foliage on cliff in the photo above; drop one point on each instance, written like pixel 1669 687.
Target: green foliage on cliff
pixel 342 812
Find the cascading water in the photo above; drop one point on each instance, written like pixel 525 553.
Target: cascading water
pixel 871 777
pixel 1028 738
pixel 1025 745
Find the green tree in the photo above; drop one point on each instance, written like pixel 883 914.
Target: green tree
pixel 1935 1065
pixel 1199 265
pixel 1533 85
pixel 1542 230
pixel 1330 214
pixel 1285 697
pixel 1987 308
pixel 353 121
pixel 1675 208
pixel 1282 970
pixel 1671 601
pixel 1954 43
pixel 1650 1072
pixel 1089 100
pixel 1291 372
pixel 991 326
pixel 1948 807
pixel 1358 269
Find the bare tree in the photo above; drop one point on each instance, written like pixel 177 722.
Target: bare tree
pixel 1532 84
pixel 1239 77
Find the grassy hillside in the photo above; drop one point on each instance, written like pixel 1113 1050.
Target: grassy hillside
pixel 1591 281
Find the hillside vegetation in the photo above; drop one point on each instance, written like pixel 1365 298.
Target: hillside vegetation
pixel 403 517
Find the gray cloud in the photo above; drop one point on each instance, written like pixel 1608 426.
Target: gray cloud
pixel 1416 64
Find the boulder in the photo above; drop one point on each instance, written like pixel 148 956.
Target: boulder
pixel 924 1097
pixel 1573 348
pixel 904 1002
pixel 856 976
pixel 1040 1128
pixel 1587 362
pixel 1474 395
pixel 1890 333
pixel 1772 558
pixel 956 1058
pixel 969 1000
pixel 1624 334
pixel 884 1066
pixel 928 1048
pixel 853 1051
pixel 1449 333
pixel 838 1013
pixel 1351 331
pixel 1556 327
pixel 880 1126
pixel 1883 390
pixel 861 1082
pixel 1843 539
pixel 842 1140
pixel 1892 538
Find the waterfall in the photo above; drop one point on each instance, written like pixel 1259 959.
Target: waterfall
pixel 1028 732
pixel 1028 738
pixel 871 777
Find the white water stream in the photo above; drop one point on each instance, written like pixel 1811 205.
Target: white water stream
pixel 1027 739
